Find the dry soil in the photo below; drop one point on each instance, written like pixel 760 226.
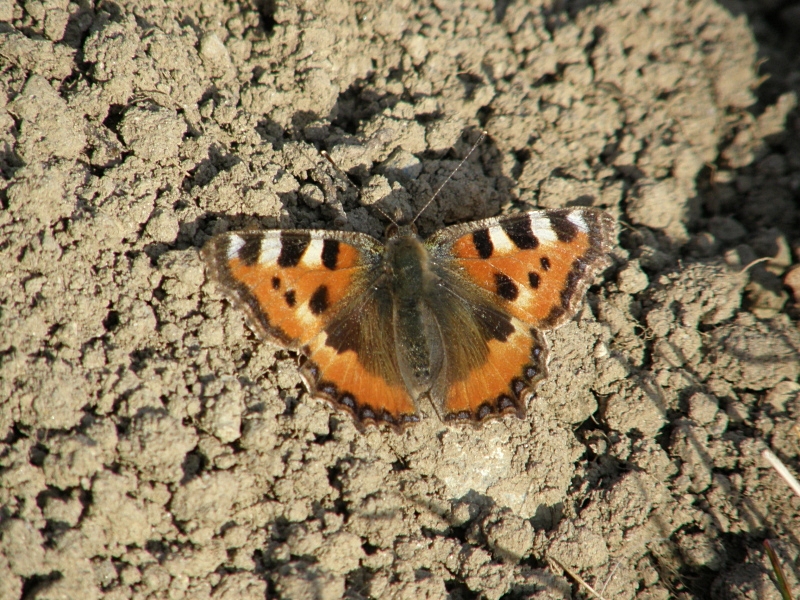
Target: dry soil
pixel 152 447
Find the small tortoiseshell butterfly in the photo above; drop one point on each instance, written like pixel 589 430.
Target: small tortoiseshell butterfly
pixel 457 318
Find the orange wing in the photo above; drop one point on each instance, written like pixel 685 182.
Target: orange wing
pixel 315 292
pixel 353 363
pixel 492 360
pixel 512 277
pixel 537 265
pixel 502 383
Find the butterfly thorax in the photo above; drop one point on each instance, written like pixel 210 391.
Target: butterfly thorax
pixel 417 337
pixel 408 263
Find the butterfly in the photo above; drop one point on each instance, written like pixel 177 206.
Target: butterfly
pixel 458 318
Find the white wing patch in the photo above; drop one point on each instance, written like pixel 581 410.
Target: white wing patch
pixel 235 244
pixel 270 250
pixel 501 243
pixel 576 219
pixel 312 257
pixel 540 226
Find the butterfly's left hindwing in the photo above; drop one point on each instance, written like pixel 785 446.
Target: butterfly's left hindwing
pixel 493 361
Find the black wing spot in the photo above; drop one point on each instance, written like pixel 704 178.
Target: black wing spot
pixel 504 402
pixel 554 316
pixel 545 262
pixel 497 324
pixel 483 243
pixel 330 253
pixel 250 252
pixel 505 286
pixel 565 230
pixel 293 246
pixel 463 415
pixel 519 231
pixel 348 401
pixel 276 283
pixel 574 279
pixel 484 410
pixel 534 279
pixel 291 298
pixel 318 303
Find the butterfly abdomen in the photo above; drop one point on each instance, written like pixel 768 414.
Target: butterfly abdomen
pixel 419 344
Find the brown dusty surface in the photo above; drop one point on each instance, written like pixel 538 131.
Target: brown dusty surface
pixel 151 448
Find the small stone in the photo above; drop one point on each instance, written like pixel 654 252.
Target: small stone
pixel 416 47
pixel 64 511
pixel 702 408
pixel 632 279
pixel 162 226
pixel 443 134
pixel 214 53
pixel 781 394
pixel 34 285
pixel 401 166
pixel 700 550
pixel 765 295
pixel 463 512
pixel 651 257
pixel 510 537
pixel 772 243
pixel 375 190
pixel 704 244
pixel 659 321
pixel 726 229
pixel 312 196
pixel 130 575
pixel 740 257
pixel 223 419
pixel 341 553
pixel 792 281
pixel 737 411
pixel 155 577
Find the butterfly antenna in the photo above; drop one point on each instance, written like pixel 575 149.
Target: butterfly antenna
pixel 339 170
pixel 484 133
pixel 346 176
